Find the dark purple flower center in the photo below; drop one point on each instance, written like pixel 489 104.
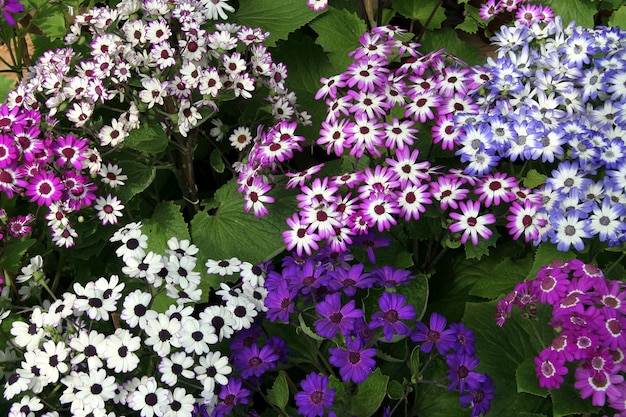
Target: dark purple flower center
pixel 391 316
pixel 317 397
pixel 336 318
pixel 354 357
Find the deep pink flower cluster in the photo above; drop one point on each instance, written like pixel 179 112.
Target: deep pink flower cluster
pixel 589 314
pixel 48 170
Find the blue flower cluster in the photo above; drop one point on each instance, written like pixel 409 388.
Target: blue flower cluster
pixel 557 95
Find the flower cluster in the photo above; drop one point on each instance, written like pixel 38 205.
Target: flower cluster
pixel 138 344
pixel 557 95
pixel 525 13
pixel 335 288
pixel 53 171
pixel 588 313
pixel 153 56
pixel 376 109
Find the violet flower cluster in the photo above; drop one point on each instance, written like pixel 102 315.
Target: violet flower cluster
pixel 589 317
pixel 556 95
pixel 333 289
pixel 376 110
pixel 138 343
pixel 54 172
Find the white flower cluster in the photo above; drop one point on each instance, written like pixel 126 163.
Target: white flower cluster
pixel 156 54
pixel 135 344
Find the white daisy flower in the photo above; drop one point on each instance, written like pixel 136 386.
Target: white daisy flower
pixel 212 368
pixel 87 346
pixel 196 337
pixel 147 397
pixel 179 403
pixel 176 365
pixel 243 312
pixel 181 248
pixel 162 334
pixel 136 312
pixel 221 319
pixel 223 267
pixel 119 351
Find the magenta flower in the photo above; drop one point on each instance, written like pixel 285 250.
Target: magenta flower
pixel 598 386
pixel 355 362
pixel 44 188
pixel 471 223
pixel 550 368
pixel 335 317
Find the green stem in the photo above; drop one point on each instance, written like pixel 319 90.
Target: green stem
pixel 430 18
pixel 620 259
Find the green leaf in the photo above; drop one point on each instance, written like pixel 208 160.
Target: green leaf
pixel 547 252
pixel 338 33
pixel 416 294
pixel 279 393
pixel 447 39
pixel 7 85
pixel 502 350
pixel 566 401
pixel 49 18
pixel 149 138
pixel 370 395
pixel 526 378
pixel 501 279
pixel 470 23
pixel 421 11
pixel 582 11
pixel 280 18
pixel 618 18
pixel 12 256
pixel 434 401
pixel 166 222
pixel 304 328
pixel 395 390
pixel 307 64
pixel 217 162
pixel 478 251
pixel 231 232
pixel 533 179
pixel 140 176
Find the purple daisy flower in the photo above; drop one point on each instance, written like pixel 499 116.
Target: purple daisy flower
pixel 393 309
pixel 231 394
pixel 350 279
pixel 437 335
pixel 355 362
pixel 479 399
pixel 461 373
pixel 336 317
pixel 10 7
pixel 254 361
pixel 315 396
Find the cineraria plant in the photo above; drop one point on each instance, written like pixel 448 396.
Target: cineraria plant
pixel 144 342
pixel 554 107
